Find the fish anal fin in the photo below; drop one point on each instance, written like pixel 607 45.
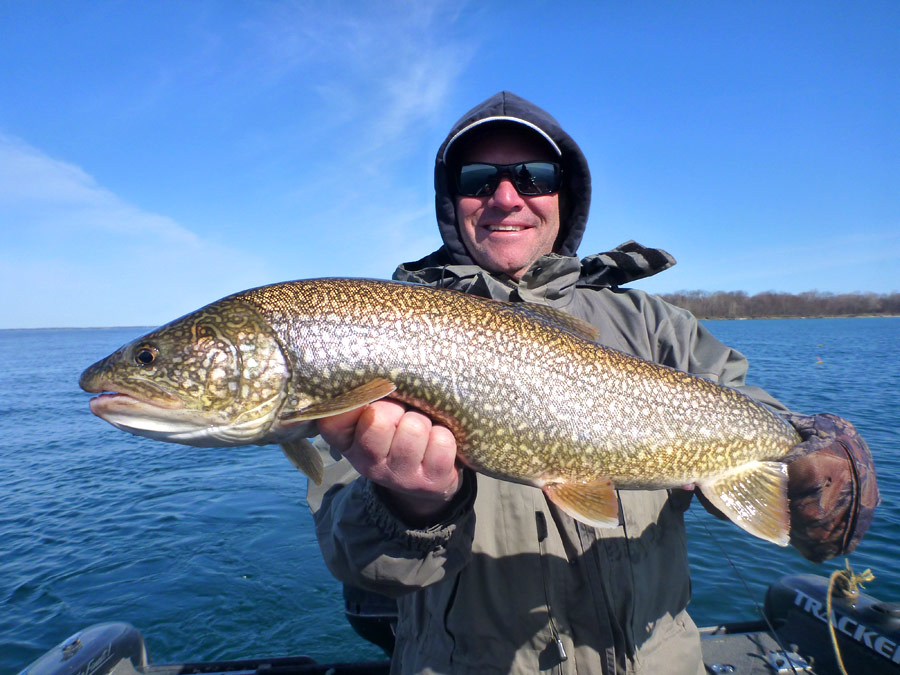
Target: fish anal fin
pixel 594 503
pixel 754 497
pixel 305 457
pixel 372 390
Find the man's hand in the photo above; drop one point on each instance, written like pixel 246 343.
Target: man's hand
pixel 400 449
pixel 831 487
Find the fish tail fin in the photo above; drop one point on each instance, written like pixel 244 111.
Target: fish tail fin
pixel 754 497
pixel 594 503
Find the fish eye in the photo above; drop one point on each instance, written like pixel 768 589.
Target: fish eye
pixel 145 355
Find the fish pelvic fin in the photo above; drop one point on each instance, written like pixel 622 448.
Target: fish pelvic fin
pixel 593 503
pixel 754 497
pixel 350 400
pixel 305 457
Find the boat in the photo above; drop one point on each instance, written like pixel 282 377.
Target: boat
pixel 794 636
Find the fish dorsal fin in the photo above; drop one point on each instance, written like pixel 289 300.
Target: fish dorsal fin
pixel 754 497
pixel 305 457
pixel 594 503
pixel 557 319
pixel 349 400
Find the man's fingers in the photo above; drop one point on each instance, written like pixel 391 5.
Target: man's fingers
pixel 440 457
pixel 339 430
pixel 396 446
pixel 374 433
pixel 409 443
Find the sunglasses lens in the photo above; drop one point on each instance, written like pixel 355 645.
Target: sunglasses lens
pixel 477 180
pixel 529 178
pixel 536 178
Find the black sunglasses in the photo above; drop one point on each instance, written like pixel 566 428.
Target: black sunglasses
pixel 529 178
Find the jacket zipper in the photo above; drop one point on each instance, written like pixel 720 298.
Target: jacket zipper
pixel 542 533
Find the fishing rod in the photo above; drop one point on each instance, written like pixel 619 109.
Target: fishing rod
pixel 786 658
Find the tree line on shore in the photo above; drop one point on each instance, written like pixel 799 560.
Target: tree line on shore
pixel 771 304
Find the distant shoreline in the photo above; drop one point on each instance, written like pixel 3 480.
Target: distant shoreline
pixel 143 329
pixel 723 306
pixel 134 328
pixel 774 305
pixel 768 318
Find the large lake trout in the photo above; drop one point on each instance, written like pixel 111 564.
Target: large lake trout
pixel 526 392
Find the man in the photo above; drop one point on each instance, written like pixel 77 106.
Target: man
pixel 488 575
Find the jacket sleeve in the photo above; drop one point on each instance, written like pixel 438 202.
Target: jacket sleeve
pixel 365 545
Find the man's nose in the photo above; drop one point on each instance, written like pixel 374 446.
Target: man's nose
pixel 506 196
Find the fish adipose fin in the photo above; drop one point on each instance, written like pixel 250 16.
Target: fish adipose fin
pixel 305 457
pixel 349 400
pixel 593 503
pixel 754 497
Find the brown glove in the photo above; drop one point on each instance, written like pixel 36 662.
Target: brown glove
pixel 831 486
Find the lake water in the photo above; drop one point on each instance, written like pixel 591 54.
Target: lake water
pixel 211 552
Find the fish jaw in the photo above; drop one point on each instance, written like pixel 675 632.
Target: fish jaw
pixel 203 429
pixel 145 409
pixel 141 418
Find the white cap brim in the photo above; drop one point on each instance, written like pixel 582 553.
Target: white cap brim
pixel 462 132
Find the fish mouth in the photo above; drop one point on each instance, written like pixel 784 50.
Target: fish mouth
pixel 122 397
pixel 169 422
pixel 118 402
pixel 131 412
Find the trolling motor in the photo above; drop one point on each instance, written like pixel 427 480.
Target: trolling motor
pixel 866 630
pixel 94 650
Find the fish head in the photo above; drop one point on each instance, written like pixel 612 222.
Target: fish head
pixel 214 377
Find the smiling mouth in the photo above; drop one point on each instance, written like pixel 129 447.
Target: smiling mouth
pixel 506 228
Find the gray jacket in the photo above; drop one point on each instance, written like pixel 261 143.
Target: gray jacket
pixel 502 595
pixel 507 583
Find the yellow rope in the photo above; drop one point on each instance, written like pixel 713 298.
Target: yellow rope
pixel 851 584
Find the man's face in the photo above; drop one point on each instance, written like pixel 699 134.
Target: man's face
pixel 506 231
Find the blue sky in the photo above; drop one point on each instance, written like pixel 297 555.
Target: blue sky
pixel 155 156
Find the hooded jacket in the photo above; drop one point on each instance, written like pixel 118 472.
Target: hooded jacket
pixel 507 583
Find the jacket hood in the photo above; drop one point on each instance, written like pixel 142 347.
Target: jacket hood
pixel 509 108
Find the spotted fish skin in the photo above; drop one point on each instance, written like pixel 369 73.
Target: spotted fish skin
pixel 525 391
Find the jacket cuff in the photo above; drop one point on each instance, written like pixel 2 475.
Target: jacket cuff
pixel 427 539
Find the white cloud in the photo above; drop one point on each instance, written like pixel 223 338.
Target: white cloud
pixel 77 254
pixel 50 193
pixel 370 85
pixel 384 68
pixel 380 78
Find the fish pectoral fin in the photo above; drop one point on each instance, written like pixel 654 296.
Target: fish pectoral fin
pixel 305 457
pixel 349 400
pixel 594 503
pixel 754 497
